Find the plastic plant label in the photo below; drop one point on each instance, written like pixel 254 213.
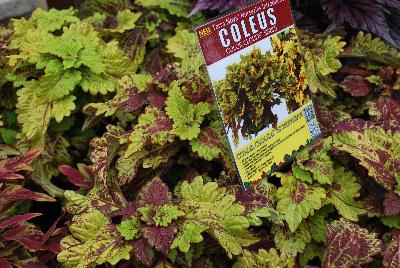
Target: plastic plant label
pixel 254 62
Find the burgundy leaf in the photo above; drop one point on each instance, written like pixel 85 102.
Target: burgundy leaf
pixel 52 228
pixel 373 205
pixel 349 245
pixel 159 237
pixel 136 100
pixel 391 203
pixel 387 74
pixel 391 255
pixel 253 198
pixel 352 125
pixel 357 86
pixel 129 210
pixel 143 252
pixel 36 264
pixel 157 99
pixel 386 113
pixel 18 219
pixel 155 192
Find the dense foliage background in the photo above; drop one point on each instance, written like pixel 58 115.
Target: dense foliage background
pixel 112 151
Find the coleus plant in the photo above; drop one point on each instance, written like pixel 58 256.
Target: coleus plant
pixel 158 187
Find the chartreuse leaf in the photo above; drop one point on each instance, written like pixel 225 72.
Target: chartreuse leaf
pixel 372 48
pixel 160 215
pixel 208 144
pixel 126 20
pixel 180 8
pixel 209 208
pixel 317 161
pixel 356 245
pixel 298 200
pixel 73 57
pixel 130 229
pixel 57 83
pixel 187 117
pixel 264 258
pixel 93 241
pixel 288 243
pixel 153 127
pixel 321 61
pixel 342 193
pixel 35 115
pixel 184 46
pixel 54 19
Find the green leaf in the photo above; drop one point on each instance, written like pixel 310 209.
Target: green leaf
pixel 297 200
pixel 187 117
pixel 8 135
pixel 312 250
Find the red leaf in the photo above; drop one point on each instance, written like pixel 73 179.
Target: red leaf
pixel 10 166
pixel 4 263
pixel 357 86
pixel 17 192
pixel 355 71
pixel 73 175
pixel 18 219
pixel 50 231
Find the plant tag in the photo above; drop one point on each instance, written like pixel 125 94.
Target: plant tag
pixel 254 62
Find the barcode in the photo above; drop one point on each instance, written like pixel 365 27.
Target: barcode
pixel 309 113
pixel 314 130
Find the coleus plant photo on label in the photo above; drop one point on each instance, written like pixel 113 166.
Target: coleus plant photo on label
pixel 259 82
pixel 112 152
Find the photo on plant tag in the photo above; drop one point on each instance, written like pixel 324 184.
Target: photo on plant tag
pixel 260 86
